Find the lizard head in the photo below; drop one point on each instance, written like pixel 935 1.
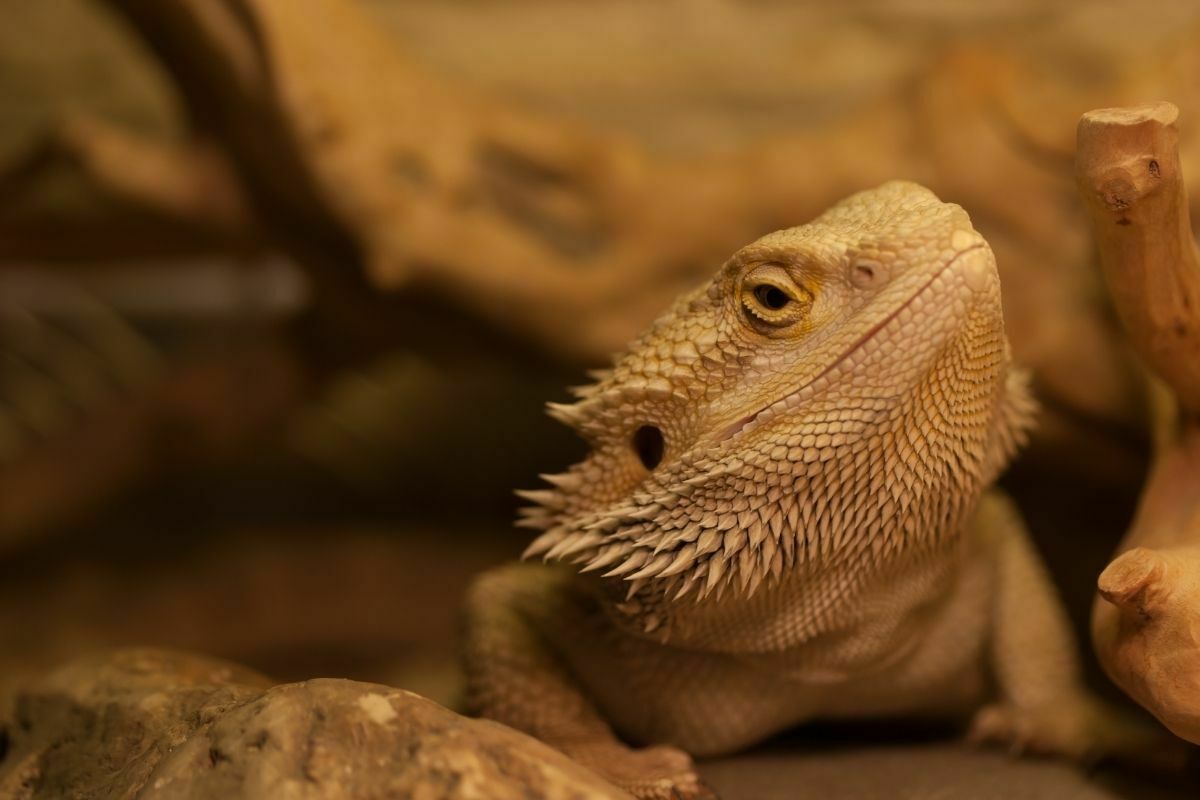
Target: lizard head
pixel 839 391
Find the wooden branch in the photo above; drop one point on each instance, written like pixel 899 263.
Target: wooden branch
pixel 191 182
pixel 1146 618
pixel 1129 175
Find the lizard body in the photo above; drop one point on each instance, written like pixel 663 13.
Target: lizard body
pixel 786 515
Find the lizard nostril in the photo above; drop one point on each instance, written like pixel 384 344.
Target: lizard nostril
pixel 649 445
pixel 867 274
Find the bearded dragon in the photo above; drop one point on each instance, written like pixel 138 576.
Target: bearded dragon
pixel 787 513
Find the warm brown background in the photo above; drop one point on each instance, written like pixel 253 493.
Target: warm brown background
pixel 317 510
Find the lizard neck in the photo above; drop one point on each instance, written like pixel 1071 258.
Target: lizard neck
pixel 876 535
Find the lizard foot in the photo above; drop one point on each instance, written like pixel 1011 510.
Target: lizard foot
pixel 1082 729
pixel 651 773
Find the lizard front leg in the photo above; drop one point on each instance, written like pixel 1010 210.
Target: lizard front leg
pixel 515 615
pixel 1043 705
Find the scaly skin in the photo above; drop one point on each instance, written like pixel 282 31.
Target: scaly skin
pixel 785 515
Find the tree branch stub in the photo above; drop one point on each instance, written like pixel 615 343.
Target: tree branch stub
pixel 1129 175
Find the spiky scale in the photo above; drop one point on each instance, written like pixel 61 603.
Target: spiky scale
pixel 543 497
pixel 543 543
pixel 577 544
pixel 608 556
pixel 636 560
pixel 566 481
pixel 716 568
pixel 649 512
pixel 680 561
pixel 652 568
pixel 709 541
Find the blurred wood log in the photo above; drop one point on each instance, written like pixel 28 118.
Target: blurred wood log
pixel 1146 618
pixel 189 187
pixel 375 176
pixel 191 181
pixel 360 163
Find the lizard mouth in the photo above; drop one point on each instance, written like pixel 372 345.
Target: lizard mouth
pixel 743 423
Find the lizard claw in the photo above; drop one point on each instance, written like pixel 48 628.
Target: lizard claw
pixel 650 773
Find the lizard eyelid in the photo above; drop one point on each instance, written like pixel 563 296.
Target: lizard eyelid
pixel 769 296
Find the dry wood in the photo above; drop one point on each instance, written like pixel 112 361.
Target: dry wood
pixel 190 182
pixel 1145 619
pixel 384 182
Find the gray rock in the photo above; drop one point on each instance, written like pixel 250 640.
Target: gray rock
pixel 159 725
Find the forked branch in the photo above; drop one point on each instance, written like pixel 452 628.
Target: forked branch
pixel 1146 618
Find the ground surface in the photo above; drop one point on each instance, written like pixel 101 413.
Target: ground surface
pixel 927 771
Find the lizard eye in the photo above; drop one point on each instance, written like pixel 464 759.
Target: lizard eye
pixel 770 297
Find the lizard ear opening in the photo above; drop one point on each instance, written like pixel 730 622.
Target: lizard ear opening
pixel 649 445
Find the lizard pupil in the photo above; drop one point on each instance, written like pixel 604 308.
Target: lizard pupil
pixel 648 444
pixel 772 297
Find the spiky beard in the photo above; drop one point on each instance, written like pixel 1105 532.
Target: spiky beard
pixel 797 498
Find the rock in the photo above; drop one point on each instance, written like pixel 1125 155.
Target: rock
pixel 159 725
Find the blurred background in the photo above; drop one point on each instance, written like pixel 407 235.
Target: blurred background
pixel 284 286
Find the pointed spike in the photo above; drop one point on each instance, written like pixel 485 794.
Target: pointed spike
pixel 721 587
pixel 775 522
pixel 746 567
pixel 566 413
pixel 653 568
pixel 634 588
pixel 568 481
pixel 757 532
pixel 637 559
pixel 708 542
pixel 716 568
pixel 543 543
pixel 755 581
pixel 573 544
pixel 603 524
pixel 623 512
pixel 733 541
pixel 777 565
pixel 669 542
pixel 688 583
pixel 606 557
pixel 559 548
pixel 649 512
pixel 681 561
pixel 769 548
pixel 543 497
